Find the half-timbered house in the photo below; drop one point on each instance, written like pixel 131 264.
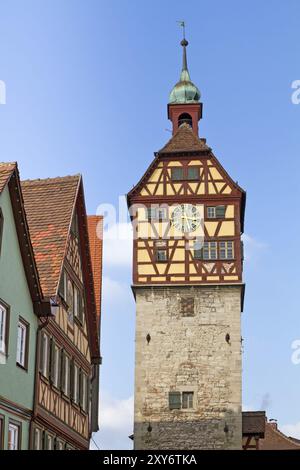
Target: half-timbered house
pixel 68 353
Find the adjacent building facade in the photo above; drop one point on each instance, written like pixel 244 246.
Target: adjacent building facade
pixel 50 304
pixel 188 217
pixel 21 307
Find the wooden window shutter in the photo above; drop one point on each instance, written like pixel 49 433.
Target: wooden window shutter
pixel 174 400
pixel 220 212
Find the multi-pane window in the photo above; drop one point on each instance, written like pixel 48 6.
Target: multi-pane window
pixel 76 302
pixel 13 436
pixel 181 400
pixel 72 295
pixel 84 395
pixel 187 400
pixel 193 173
pixel 49 442
pixel 65 385
pixel 55 364
pixel 177 174
pixel 211 212
pixel 157 213
pixel 3 329
pixel 214 250
pixel 22 343
pixel 44 355
pixel 37 439
pixel 210 250
pixel 70 299
pixel 75 394
pixel 187 173
pixel 216 212
pixel 226 250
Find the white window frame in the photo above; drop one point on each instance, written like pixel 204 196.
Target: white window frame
pixel 22 343
pixel 210 248
pixel 228 247
pixel 211 212
pixel 84 391
pixel 56 365
pixel 49 439
pixel 45 352
pixel 76 384
pixel 14 431
pixel 76 294
pixel 37 438
pixel 190 400
pixel 3 329
pixel 66 383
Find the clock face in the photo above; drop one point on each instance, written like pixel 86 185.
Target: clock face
pixel 186 218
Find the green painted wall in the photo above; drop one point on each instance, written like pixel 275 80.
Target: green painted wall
pixel 16 384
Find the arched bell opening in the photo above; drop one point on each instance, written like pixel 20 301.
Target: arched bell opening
pixel 185 118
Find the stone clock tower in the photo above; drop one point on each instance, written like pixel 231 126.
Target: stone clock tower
pixel 187 215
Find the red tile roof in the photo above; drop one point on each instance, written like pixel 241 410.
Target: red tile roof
pixel 49 206
pixel 95 230
pixel 6 170
pixel 9 175
pixel 276 440
pixel 185 140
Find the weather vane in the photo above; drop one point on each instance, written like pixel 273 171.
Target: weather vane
pixel 182 24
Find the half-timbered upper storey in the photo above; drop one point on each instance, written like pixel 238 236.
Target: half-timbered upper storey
pixel 187 212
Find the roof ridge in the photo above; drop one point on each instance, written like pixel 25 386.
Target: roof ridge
pixel 53 179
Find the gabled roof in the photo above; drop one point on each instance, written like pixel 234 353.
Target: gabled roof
pixel 6 171
pixel 49 207
pixel 276 440
pixel 95 230
pixel 184 140
pixel 9 176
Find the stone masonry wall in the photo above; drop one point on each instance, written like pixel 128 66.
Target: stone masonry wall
pixel 188 353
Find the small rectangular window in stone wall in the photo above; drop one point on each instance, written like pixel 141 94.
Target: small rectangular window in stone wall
pixel 187 306
pixel 174 400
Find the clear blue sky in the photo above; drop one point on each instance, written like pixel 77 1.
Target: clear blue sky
pixel 87 87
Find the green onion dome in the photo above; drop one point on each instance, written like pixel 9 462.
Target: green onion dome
pixel 184 91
